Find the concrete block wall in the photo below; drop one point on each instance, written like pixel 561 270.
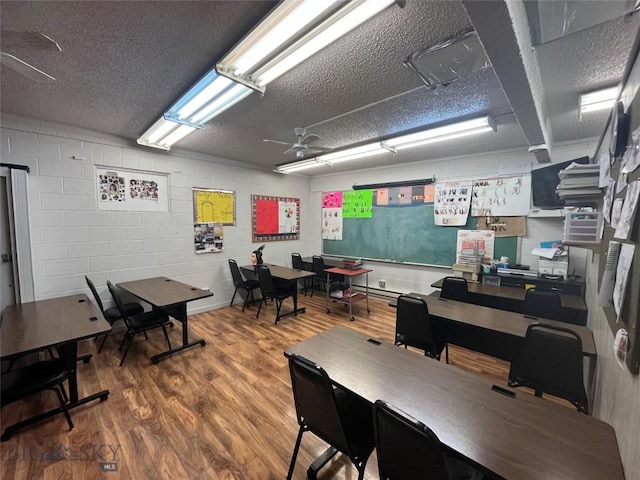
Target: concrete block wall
pixel 72 238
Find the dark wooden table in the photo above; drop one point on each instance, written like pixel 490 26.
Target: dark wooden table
pixel 172 297
pixel 495 332
pixel 513 438
pixel 54 323
pixel 512 299
pixel 286 274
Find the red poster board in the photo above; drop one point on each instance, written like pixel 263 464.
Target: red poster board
pixel 275 218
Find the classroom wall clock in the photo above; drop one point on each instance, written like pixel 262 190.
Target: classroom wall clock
pixel 619 131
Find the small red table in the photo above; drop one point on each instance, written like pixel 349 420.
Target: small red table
pixel 353 296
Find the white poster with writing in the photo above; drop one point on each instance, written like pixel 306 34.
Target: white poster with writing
pixel 451 203
pixel 332 223
pixel 502 197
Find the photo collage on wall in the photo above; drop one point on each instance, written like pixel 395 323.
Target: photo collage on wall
pixel 111 187
pixel 143 189
pixel 208 237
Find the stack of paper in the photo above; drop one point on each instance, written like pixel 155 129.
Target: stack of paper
pixel 579 183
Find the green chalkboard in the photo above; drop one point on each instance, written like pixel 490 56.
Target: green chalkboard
pixel 406 234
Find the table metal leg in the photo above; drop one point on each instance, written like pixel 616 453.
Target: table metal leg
pixel 179 312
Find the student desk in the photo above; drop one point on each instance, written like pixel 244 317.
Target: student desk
pixel 172 297
pixel 512 299
pixel 498 333
pixel 286 274
pixel 54 323
pixel 513 438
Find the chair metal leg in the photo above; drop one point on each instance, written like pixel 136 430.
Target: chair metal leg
pixel 126 350
pixel 145 335
pixel 278 306
pixel 166 336
pixel 104 339
pixel 246 299
pixel 64 406
pixel 234 296
pixel 295 453
pixel 446 352
pixel 264 300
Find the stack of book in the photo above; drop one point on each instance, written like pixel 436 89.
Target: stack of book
pixel 579 184
pixel 352 264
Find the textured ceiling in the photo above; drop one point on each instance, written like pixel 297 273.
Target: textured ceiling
pixel 123 63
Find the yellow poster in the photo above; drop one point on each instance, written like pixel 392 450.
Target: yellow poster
pixel 214 206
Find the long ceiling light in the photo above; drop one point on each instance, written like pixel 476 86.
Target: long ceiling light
pixel 447 132
pixel 598 100
pixel 294 31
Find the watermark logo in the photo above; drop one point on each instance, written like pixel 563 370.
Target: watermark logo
pixel 104 455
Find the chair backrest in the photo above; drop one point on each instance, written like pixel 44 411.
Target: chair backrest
pixel 92 287
pixel 413 324
pixel 267 285
pixel 315 402
pixel 541 304
pixel 318 266
pixel 406 446
pixel 455 288
pixel 238 280
pixel 119 302
pixel 296 261
pixel 550 361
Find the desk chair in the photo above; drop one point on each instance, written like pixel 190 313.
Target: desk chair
pixel 541 304
pixel 248 285
pixel 296 262
pixel 550 361
pixel 112 314
pixel 414 328
pixel 139 323
pixel 455 288
pixel 26 381
pixel 273 291
pixel 338 417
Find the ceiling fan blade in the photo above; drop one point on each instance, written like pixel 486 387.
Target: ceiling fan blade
pixel 25 69
pixel 315 148
pixel 310 138
pixel 276 141
pixel 9 39
pixel 289 150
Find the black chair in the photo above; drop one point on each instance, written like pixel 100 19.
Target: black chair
pixel 455 288
pixel 318 266
pixel 26 381
pixel 338 417
pixel 414 328
pixel 550 361
pixel 273 291
pixel 248 285
pixel 405 446
pixel 140 323
pixel 541 304
pixel 296 262
pixel 112 314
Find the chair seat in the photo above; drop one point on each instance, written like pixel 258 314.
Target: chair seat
pixel 251 284
pixel 112 314
pixel 25 381
pixel 147 320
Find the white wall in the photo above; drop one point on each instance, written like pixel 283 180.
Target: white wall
pixel 71 237
pixel 407 278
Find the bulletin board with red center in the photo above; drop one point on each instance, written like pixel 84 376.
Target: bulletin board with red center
pixel 275 218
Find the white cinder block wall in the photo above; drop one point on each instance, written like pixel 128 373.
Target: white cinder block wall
pixel 407 278
pixel 71 238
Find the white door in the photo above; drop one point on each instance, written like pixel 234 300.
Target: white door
pixel 7 289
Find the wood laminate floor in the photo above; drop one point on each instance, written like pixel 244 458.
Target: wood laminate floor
pixel 222 412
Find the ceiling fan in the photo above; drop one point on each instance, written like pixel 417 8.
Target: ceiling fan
pixel 302 145
pixel 11 41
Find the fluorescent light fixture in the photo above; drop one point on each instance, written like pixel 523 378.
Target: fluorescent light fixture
pixel 310 24
pixel 297 166
pixel 164 133
pixel 447 132
pixel 353 153
pixel 210 96
pixel 598 100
